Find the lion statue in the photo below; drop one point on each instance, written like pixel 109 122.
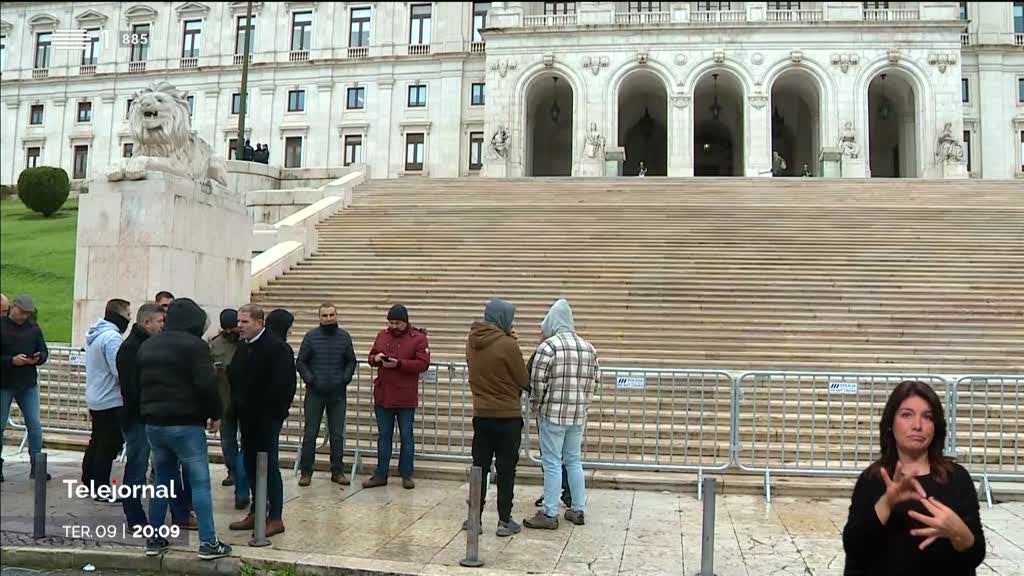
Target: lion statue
pixel 164 141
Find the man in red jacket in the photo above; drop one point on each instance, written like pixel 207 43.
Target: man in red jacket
pixel 400 353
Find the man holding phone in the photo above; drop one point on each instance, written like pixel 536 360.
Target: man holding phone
pixel 400 353
pixel 22 348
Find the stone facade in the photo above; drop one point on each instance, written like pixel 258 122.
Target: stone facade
pixel 786 80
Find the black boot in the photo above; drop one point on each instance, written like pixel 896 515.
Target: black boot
pixel 32 471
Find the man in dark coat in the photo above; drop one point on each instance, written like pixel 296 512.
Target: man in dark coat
pixel 262 376
pixel 326 364
pixel 178 398
pixel 22 348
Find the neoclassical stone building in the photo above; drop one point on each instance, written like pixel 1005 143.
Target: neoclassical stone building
pixel 448 89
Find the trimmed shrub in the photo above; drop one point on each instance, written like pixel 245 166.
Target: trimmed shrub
pixel 44 189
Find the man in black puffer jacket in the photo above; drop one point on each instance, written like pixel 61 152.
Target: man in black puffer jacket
pixel 178 397
pixel 326 363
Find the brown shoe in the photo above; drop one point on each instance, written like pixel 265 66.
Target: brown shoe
pixel 305 479
pixel 339 478
pixel 374 481
pixel 274 527
pixel 408 483
pixel 247 523
pixel 542 521
pixel 191 524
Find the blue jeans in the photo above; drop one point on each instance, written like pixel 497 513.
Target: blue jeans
pixel 385 437
pixel 185 444
pixel 28 402
pixel 233 459
pixel 136 464
pixel 561 445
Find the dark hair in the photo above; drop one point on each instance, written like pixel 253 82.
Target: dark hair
pixel 253 311
pixel 117 306
pixel 163 294
pixel 148 310
pixel 941 466
pixel 325 306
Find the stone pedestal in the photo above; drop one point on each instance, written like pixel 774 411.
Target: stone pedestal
pixel 614 156
pixel 828 163
pixel 954 170
pixel 853 168
pixel 138 237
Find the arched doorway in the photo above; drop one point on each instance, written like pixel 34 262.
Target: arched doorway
pixel 718 125
pixel 892 126
pixel 796 121
pixel 643 121
pixel 549 126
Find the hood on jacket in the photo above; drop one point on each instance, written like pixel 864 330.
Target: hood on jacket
pixel 139 333
pixel 500 313
pixel 184 315
pixel 484 334
pixel 279 321
pixel 559 319
pixel 99 327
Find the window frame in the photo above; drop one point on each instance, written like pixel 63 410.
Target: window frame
pixel 298 161
pixel 476 144
pixel 236 103
pixel 232 149
pixel 92 47
pixel 1018 22
pixel 249 30
pixel 139 52
pixel 191 101
pixel 32 160
pixel 195 36
pixel 965 91
pixel 479 19
pixel 473 100
pixel 80 170
pixel 967 153
pixel 965 15
pixel 299 105
pixel 1020 90
pixel 420 90
pixel 559 8
pixel 365 25
pixel 33 108
pixel 43 48
pixel 85 107
pixel 127 149
pixel 305 29
pixel 355 91
pixel 424 24
pixel 636 7
pixel 353 142
pixel 128 108
pixel 419 148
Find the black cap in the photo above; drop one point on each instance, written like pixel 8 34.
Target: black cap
pixel 228 318
pixel 398 312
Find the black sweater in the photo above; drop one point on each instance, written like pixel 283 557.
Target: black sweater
pixel 877 550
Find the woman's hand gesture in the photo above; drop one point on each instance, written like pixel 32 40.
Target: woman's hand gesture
pixel 943 523
pixel 898 489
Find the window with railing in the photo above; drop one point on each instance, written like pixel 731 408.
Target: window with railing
pixel 32 154
pixel 784 5
pixel 140 43
pixel 419 24
pixel 417 96
pixel 414 144
pixel 1018 17
pixel 963 10
pixel 190 38
pixel 91 52
pixel 476 150
pixel 480 10
pixel 44 47
pixel 302 31
pixel 80 169
pixel 876 5
pixel 296 100
pixel 359 28
pixel 559 8
pixel 713 6
pixel 85 111
pixel 293 152
pixel 244 30
pixel 356 99
pixel 645 7
pixel 35 115
pixel 353 150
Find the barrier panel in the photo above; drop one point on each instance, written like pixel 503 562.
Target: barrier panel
pixel 989 427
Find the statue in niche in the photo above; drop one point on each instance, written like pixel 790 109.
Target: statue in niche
pixel 949 150
pixel 500 141
pixel 595 142
pixel 161 127
pixel 848 147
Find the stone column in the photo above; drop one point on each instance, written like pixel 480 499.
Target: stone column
pixel 680 136
pixel 758 149
pixel 138 237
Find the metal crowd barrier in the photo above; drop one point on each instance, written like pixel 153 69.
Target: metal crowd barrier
pixel 762 422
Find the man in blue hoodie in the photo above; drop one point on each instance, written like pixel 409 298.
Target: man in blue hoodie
pixel 102 392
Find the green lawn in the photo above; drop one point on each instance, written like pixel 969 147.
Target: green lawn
pixel 37 257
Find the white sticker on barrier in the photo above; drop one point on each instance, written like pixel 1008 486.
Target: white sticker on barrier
pixel 842 387
pixel 630 382
pixel 429 377
pixel 76 358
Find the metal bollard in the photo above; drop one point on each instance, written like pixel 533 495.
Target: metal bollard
pixel 259 537
pixel 472 559
pixel 39 518
pixel 707 548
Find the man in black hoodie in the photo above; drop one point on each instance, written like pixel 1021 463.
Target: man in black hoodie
pixel 262 376
pixel 178 397
pixel 326 363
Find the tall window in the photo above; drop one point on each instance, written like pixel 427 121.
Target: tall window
pixel 419 24
pixel 128 108
pixel 876 5
pixel 1022 150
pixel 35 114
pixel 965 90
pixel 232 148
pixel 32 156
pixel 293 152
pixel 359 27
pixel 190 40
pixel 646 6
pixel 44 42
pixel 713 6
pixel 140 49
pixel 91 53
pixel 1020 89
pixel 476 150
pixel 302 31
pixel 3 51
pixel 353 150
pixel 414 151
pixel 967 149
pixel 244 30
pixel 1018 17
pixel 477 94
pixel 127 150
pixel 296 100
pixel 81 163
pixel 783 5
pixel 559 7
pixel 963 10
pixel 236 103
pixel 480 10
pixel 356 98
pixel 417 96
pixel 85 111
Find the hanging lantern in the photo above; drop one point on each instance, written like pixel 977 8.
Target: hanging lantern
pixel 555 110
pixel 884 110
pixel 716 108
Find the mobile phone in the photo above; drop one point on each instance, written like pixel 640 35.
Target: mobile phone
pixel 218 365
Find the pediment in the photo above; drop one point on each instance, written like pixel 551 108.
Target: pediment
pixel 240 7
pixel 91 18
pixel 140 13
pixel 300 6
pixel 5 27
pixel 192 10
pixel 43 21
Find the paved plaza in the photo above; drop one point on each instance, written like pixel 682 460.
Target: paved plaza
pixel 418 531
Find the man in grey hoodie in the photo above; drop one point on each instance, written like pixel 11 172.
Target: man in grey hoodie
pixel 102 392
